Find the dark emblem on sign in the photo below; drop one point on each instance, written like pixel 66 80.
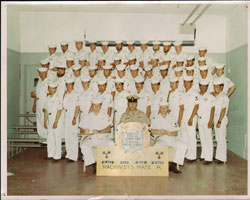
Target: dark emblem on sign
pixel 158 154
pixel 106 153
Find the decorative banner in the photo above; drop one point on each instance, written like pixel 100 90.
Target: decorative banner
pixel 114 161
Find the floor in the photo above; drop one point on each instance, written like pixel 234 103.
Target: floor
pixel 36 176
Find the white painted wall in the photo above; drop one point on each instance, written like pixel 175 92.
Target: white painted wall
pixel 237 27
pixel 41 28
pixel 13 29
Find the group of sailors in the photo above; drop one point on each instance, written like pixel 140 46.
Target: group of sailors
pixel 92 92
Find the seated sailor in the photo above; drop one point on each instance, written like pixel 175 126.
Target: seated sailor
pixel 165 128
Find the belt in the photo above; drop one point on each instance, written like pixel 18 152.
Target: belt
pixel 50 113
pixel 65 110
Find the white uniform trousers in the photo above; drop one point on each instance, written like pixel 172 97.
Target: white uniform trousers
pixel 174 142
pixel 206 139
pixel 93 141
pixel 71 140
pixel 220 135
pixel 188 135
pixel 54 143
pixel 42 132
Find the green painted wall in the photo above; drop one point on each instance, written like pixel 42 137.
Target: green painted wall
pixel 237 61
pixel 13 90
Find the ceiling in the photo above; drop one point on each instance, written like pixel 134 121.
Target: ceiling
pixel 119 7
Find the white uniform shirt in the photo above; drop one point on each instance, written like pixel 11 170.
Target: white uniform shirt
pixel 92 121
pixel 165 85
pixel 189 100
pixel 70 101
pixel 143 101
pixel 52 105
pixel 145 56
pixel 107 101
pixel 120 101
pixel 206 102
pixel 93 57
pixel 227 83
pixel 41 90
pixel 61 87
pixel 155 99
pixel 86 97
pixel 123 54
pixel 174 103
pixel 221 101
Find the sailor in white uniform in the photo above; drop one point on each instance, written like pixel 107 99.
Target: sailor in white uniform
pixel 165 129
pixel 53 122
pixel 97 127
pixel 205 121
pixel 71 107
pixel 221 104
pixel 189 105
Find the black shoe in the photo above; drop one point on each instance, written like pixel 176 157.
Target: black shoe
pixel 190 161
pixel 55 160
pixel 219 162
pixel 200 159
pixel 207 162
pixel 173 168
pixel 69 160
pixel 47 158
pixel 94 165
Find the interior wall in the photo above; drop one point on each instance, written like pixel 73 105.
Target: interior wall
pixel 237 71
pixel 13 92
pixel 41 28
pixel 13 29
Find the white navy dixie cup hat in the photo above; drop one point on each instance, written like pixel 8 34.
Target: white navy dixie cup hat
pixel 101 58
pixel 163 103
pixel 92 67
pixel 44 61
pixel 76 67
pixel 78 40
pixel 101 81
pixel 85 78
pixel 189 68
pixel 163 67
pixel 219 66
pixel 188 78
pixel 52 46
pixel 119 80
pixel 121 67
pixel 118 42
pixel 203 48
pixel 130 42
pixel 144 42
pixel 134 67
pixel 204 82
pixel 217 81
pixel 201 59
pixel 107 67
pixel 204 67
pixel 167 43
pixel 70 80
pixel 173 79
pixel 148 67
pixel 52 84
pixel 178 69
pixel 155 80
pixel 92 41
pixel 190 57
pixel 178 43
pixel 42 69
pixel 105 43
pixel 139 79
pixel 179 59
pixel 82 56
pixel 156 42
pixel 64 43
pixel 70 56
pixel 61 65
